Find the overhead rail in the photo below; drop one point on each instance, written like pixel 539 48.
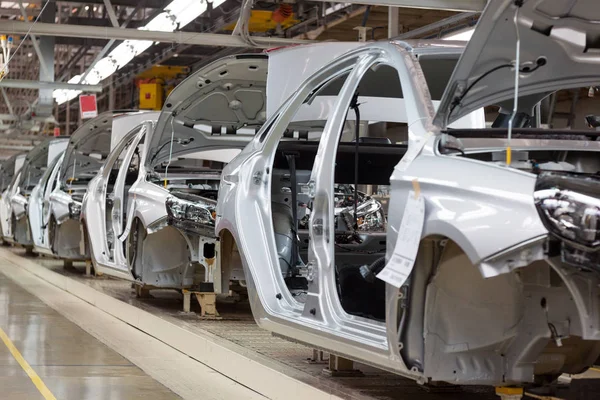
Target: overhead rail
pixel 96 32
pixel 450 5
pixel 436 26
pixel 24 84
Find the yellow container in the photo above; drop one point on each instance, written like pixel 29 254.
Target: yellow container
pixel 151 96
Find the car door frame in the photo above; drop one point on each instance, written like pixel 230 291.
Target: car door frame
pixel 366 338
pixel 120 230
pixel 43 197
pixel 99 203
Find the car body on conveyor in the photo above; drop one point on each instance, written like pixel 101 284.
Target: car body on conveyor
pixel 8 170
pixel 207 119
pixel 36 163
pixel 55 203
pixel 491 264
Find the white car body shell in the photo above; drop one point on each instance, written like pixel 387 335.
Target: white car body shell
pixel 146 204
pixel 486 210
pixel 53 205
pixel 165 254
pixel 5 203
pixel 43 156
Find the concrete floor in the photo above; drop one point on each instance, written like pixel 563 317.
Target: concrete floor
pixel 69 362
pixel 177 367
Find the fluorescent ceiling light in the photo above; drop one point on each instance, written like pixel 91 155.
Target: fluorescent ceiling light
pixel 460 35
pixel 177 14
pixel 12 4
pixel 336 7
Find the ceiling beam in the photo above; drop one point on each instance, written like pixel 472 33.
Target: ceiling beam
pixel 23 84
pixel 103 22
pixel 450 5
pixel 128 3
pixel 71 41
pixel 111 13
pixel 34 42
pixel 13 147
pixel 422 31
pixel 17 12
pixel 190 38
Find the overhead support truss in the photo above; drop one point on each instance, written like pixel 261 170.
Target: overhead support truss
pixel 450 5
pixel 111 13
pixel 108 33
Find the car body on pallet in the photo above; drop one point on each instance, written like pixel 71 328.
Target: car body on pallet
pixel 502 286
pixel 150 174
pixel 55 203
pixel 8 170
pixel 36 163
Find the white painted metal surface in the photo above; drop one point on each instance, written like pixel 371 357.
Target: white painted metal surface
pixel 122 126
pixel 5 206
pixel 483 211
pixel 49 205
pixel 290 66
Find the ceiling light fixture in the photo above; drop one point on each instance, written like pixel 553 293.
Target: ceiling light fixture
pixel 174 16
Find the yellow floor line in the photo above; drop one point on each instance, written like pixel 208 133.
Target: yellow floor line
pixel 37 381
pixel 595 369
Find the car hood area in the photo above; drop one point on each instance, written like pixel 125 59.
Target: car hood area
pixel 222 101
pixel 559 49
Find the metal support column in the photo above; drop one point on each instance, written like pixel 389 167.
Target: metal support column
pixel 8 104
pixel 68 119
pixel 81 70
pixel 111 94
pixel 393 22
pixel 341 367
pixel 111 13
pixel 45 99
